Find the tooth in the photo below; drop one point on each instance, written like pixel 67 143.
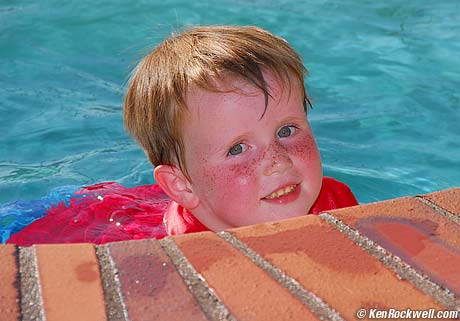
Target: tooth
pixel 281 192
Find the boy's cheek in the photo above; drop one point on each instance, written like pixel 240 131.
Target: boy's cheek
pixel 233 178
pixel 304 148
pixel 228 181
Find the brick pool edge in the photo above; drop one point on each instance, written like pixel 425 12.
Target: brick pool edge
pixel 396 254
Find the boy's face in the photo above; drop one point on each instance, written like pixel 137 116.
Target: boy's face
pixel 245 169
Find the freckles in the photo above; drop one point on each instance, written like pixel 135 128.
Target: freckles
pixel 238 178
pixel 245 170
pixel 304 149
pixel 209 178
pixel 271 151
pixel 207 173
pixel 263 156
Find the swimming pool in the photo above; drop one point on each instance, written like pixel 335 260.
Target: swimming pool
pixel 384 81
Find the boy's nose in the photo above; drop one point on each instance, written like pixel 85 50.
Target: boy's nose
pixel 277 160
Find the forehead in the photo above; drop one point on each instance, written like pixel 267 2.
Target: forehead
pixel 237 106
pixel 237 87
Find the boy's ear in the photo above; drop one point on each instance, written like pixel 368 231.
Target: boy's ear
pixel 176 185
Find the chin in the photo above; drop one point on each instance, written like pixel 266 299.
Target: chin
pixel 285 215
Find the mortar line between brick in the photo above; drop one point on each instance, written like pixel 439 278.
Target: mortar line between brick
pixel 307 298
pixel 443 295
pixel 113 296
pixel 212 306
pixel 438 209
pixel 30 289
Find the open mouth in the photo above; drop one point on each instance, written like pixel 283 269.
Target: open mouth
pixel 281 192
pixel 284 195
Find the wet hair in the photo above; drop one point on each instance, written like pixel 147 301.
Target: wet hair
pixel 155 105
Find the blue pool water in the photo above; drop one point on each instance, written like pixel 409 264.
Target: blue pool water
pixel 384 80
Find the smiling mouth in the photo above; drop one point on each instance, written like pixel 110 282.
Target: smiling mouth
pixel 281 192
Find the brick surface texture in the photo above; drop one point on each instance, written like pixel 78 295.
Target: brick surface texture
pixel 329 264
pixel 9 288
pixel 70 282
pixel 448 200
pixel 248 292
pixel 151 284
pixel 306 268
pixel 419 235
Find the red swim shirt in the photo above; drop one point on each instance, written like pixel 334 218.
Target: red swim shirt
pixel 109 212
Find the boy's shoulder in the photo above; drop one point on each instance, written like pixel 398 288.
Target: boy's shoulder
pixel 333 195
pixel 100 213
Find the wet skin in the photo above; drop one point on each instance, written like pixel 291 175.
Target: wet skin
pixel 236 158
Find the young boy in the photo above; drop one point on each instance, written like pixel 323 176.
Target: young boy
pixel 221 112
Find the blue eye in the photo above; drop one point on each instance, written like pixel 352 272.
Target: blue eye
pixel 286 131
pixel 237 149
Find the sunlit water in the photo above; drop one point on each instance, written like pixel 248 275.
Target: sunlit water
pixel 384 80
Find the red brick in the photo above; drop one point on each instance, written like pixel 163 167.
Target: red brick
pixel 70 282
pixel 424 239
pixel 448 200
pixel 245 289
pixel 329 264
pixel 9 292
pixel 150 283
